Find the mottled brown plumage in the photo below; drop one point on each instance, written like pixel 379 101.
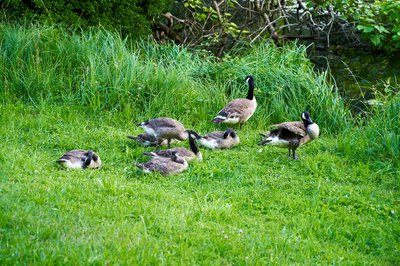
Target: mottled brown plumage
pixel 80 159
pixel 238 110
pixel 165 166
pixel 164 128
pixel 219 139
pixel 292 135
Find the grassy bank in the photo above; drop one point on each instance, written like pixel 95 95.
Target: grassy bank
pixel 248 205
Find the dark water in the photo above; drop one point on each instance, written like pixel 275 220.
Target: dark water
pixel 358 74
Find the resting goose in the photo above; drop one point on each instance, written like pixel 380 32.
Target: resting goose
pixel 164 128
pixel 164 165
pixel 219 139
pixel 80 159
pixel 239 110
pixel 149 140
pixel 292 135
pixel 188 155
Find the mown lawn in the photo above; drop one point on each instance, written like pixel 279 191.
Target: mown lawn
pixel 249 205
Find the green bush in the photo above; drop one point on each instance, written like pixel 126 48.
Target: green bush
pixel 378 21
pixel 133 17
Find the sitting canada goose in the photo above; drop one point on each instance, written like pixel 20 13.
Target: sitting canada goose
pixel 188 155
pixel 149 140
pixel 292 134
pixel 164 165
pixel 80 159
pixel 239 110
pixel 219 139
pixel 164 128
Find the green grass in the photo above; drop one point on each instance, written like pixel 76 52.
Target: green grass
pixel 338 204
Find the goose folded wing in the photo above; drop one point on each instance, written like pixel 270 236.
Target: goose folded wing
pixel 295 127
pixel 163 123
pixel 215 135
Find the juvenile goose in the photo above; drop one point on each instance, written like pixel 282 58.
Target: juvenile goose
pixel 149 140
pixel 164 165
pixel 188 155
pixel 164 128
pixel 292 135
pixel 239 110
pixel 80 159
pixel 219 139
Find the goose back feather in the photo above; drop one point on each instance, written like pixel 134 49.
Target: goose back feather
pixel 165 166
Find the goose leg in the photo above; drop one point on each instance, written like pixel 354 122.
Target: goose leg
pixel 169 146
pixel 294 155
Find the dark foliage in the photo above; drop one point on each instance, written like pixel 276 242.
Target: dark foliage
pixel 130 17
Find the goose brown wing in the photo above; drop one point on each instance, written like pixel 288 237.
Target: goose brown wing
pixel 235 108
pixel 164 122
pixel 295 127
pixel 169 152
pixel 215 135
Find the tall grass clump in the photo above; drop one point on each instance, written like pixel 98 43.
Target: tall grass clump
pixel 288 85
pixel 100 71
pixel 378 138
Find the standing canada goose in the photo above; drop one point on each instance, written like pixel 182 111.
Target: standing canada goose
pixel 165 166
pixel 188 155
pixel 164 128
pixel 239 110
pixel 80 159
pixel 149 140
pixel 219 139
pixel 292 134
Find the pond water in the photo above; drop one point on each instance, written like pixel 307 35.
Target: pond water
pixel 357 73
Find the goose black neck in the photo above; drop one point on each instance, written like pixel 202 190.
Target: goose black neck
pixel 193 146
pixel 307 123
pixel 250 93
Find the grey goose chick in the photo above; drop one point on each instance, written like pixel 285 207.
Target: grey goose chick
pixel 292 135
pixel 80 159
pixel 165 165
pixel 239 110
pixel 188 155
pixel 164 128
pixel 149 140
pixel 219 139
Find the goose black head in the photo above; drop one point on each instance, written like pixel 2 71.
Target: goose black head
pixel 230 132
pixel 192 134
pixel 89 158
pixel 249 79
pixel 305 116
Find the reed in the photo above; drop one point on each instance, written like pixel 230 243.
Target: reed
pixel 101 71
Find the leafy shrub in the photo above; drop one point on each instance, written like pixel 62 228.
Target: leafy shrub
pixel 133 17
pixel 378 21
